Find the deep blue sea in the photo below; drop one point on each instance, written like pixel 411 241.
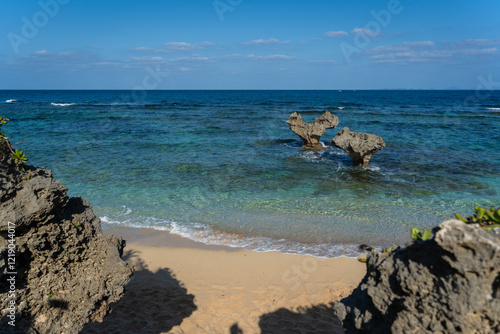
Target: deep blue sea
pixel 222 167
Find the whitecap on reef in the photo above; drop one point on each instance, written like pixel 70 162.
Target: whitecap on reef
pixel 62 104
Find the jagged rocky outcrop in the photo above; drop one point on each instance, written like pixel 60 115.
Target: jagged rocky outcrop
pixel 66 271
pixel 359 146
pixel 310 133
pixel 449 284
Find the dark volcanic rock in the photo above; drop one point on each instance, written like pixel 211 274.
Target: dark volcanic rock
pixel 311 133
pixel 67 270
pixel 449 284
pixel 360 146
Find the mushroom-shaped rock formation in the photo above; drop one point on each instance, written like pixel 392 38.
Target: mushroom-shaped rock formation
pixel 311 133
pixel 360 146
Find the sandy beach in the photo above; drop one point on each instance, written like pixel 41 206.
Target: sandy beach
pixel 181 286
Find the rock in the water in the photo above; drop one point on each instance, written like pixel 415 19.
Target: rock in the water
pixel 66 271
pixel 449 284
pixel 360 146
pixel 311 133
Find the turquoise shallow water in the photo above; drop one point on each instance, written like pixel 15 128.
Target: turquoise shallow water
pixel 223 167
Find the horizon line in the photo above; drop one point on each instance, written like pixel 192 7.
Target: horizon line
pixel 246 89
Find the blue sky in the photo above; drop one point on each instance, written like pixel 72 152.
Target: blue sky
pixel 249 44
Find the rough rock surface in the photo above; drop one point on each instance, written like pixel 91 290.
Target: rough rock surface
pixel 360 146
pixel 67 271
pixel 448 284
pixel 311 133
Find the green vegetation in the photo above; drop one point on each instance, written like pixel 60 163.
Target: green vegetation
pixel 75 223
pixel 488 219
pixel 2 122
pixel 51 295
pixel 18 156
pixel 417 235
pixel 371 250
pixel 390 249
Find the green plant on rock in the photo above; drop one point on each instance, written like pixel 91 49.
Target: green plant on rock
pixel 390 249
pixel 3 121
pixel 370 249
pixel 417 235
pixel 488 219
pixel 19 157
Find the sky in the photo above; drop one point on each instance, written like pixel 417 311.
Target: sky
pixel 249 44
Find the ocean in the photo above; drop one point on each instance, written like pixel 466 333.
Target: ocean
pixel 222 167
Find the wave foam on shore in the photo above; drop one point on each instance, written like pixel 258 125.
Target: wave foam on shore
pixel 207 235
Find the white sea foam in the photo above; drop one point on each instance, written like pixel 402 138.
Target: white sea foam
pixel 207 235
pixel 311 156
pixel 11 101
pixel 341 108
pixel 493 108
pixel 125 211
pixel 372 168
pixel 62 104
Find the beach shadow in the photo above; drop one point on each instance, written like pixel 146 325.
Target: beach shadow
pixel 235 329
pixel 153 302
pixel 317 319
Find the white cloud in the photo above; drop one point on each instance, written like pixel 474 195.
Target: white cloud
pixel 187 47
pixel 143 48
pixel 426 52
pixel 106 63
pixel 266 41
pixel 176 47
pixel 417 44
pixel 404 46
pixel 206 44
pixel 335 34
pixel 270 58
pixel 477 42
pixel 193 58
pixel 364 31
pixel 233 56
pixel 148 59
pixel 44 61
pixel 323 61
pixel 57 55
pixel 477 52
